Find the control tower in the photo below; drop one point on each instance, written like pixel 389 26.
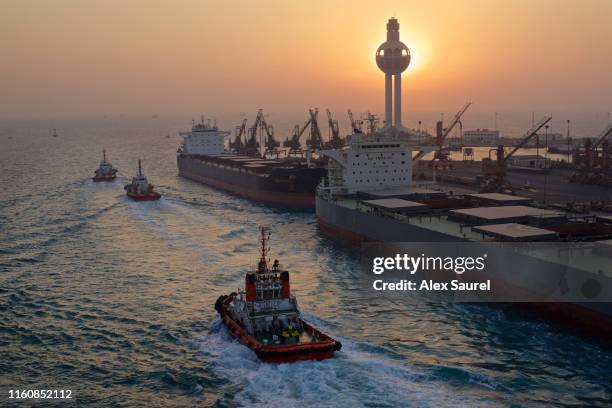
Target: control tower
pixel 393 57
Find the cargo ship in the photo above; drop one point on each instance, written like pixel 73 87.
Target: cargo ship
pixel 287 182
pixel 265 316
pixel 369 195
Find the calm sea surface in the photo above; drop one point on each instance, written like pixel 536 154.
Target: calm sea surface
pixel 114 299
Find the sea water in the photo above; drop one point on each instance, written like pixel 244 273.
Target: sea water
pixel 114 299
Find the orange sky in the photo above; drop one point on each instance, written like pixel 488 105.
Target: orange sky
pixel 68 57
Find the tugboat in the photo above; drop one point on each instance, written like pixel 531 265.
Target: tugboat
pixel 105 172
pixel 140 189
pixel 265 317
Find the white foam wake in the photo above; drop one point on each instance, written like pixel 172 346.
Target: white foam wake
pixel 353 378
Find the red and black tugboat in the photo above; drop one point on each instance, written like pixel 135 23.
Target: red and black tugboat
pixel 140 189
pixel 265 317
pixel 106 171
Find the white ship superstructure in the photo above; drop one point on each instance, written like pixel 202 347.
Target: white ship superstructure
pixel 370 162
pixel 205 138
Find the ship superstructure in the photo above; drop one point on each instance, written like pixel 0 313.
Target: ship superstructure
pixel 373 161
pixel 205 138
pixel 266 308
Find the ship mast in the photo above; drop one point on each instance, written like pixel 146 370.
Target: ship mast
pixel 139 169
pixel 263 263
pixel 104 155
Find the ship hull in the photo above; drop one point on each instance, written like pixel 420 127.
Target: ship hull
pixel 98 179
pixel 355 227
pixel 144 197
pixel 318 350
pixel 283 186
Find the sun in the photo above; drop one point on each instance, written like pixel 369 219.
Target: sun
pixel 418 55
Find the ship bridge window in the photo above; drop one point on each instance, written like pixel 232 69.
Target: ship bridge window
pixel 268 292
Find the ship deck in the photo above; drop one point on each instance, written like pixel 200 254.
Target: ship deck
pixel 584 253
pixel 267 338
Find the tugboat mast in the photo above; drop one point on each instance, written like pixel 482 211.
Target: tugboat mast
pixel 139 169
pixel 262 267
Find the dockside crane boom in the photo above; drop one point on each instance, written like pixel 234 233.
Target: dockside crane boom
pixel 294 145
pixel 252 144
pixel 315 141
pixel 355 125
pixel 238 144
pixel 442 133
pixel 335 141
pixel 528 136
pixel 333 125
pixel 271 143
pixel 606 132
pixel 494 171
pixel 592 164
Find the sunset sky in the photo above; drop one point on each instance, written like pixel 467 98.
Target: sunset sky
pixel 68 57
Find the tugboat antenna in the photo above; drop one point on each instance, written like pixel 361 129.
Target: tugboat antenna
pixel 139 169
pixel 104 154
pixel 263 263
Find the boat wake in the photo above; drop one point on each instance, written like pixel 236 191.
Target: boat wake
pixel 357 376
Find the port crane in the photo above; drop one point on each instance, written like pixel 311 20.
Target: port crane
pixel 603 136
pixel 494 171
pixel 260 126
pixel 315 141
pixel 293 144
pixel 442 133
pixel 593 163
pixel 238 144
pixel 335 141
pixel 355 125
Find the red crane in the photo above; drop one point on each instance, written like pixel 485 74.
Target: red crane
pixel 442 132
pixel 494 171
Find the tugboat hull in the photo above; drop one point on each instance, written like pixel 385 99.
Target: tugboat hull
pixel 144 197
pixel 104 178
pixel 320 349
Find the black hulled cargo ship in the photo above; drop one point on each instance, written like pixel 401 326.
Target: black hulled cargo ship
pixel 268 178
